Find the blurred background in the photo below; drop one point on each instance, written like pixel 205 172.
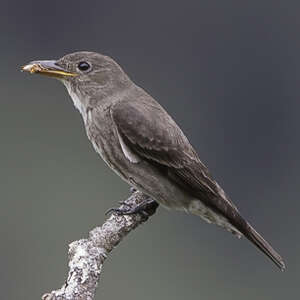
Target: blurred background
pixel 227 71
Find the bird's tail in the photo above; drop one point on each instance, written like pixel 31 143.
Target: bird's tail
pixel 253 236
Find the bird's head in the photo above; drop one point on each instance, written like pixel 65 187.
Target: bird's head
pixel 85 73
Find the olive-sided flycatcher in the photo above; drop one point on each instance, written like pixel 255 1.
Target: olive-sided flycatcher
pixel 139 140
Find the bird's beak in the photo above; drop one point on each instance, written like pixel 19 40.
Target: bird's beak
pixel 47 67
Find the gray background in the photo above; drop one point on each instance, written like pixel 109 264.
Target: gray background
pixel 227 71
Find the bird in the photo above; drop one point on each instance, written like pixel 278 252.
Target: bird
pixel 140 141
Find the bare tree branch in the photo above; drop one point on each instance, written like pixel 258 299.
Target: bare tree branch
pixel 86 256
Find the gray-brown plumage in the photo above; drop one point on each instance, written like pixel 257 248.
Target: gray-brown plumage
pixel 138 139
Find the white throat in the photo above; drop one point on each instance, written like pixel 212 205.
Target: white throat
pixel 77 103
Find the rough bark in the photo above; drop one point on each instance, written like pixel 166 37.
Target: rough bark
pixel 86 256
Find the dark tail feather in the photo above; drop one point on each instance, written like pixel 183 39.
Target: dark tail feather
pixel 227 209
pixel 253 236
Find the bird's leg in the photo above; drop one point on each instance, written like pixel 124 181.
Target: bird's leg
pixel 123 202
pixel 146 208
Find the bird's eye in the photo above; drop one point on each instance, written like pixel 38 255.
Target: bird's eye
pixel 83 66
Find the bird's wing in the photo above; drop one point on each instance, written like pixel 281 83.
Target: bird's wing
pixel 148 131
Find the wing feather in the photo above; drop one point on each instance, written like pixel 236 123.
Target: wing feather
pixel 150 132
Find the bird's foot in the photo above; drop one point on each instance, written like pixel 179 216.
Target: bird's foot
pixel 146 208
